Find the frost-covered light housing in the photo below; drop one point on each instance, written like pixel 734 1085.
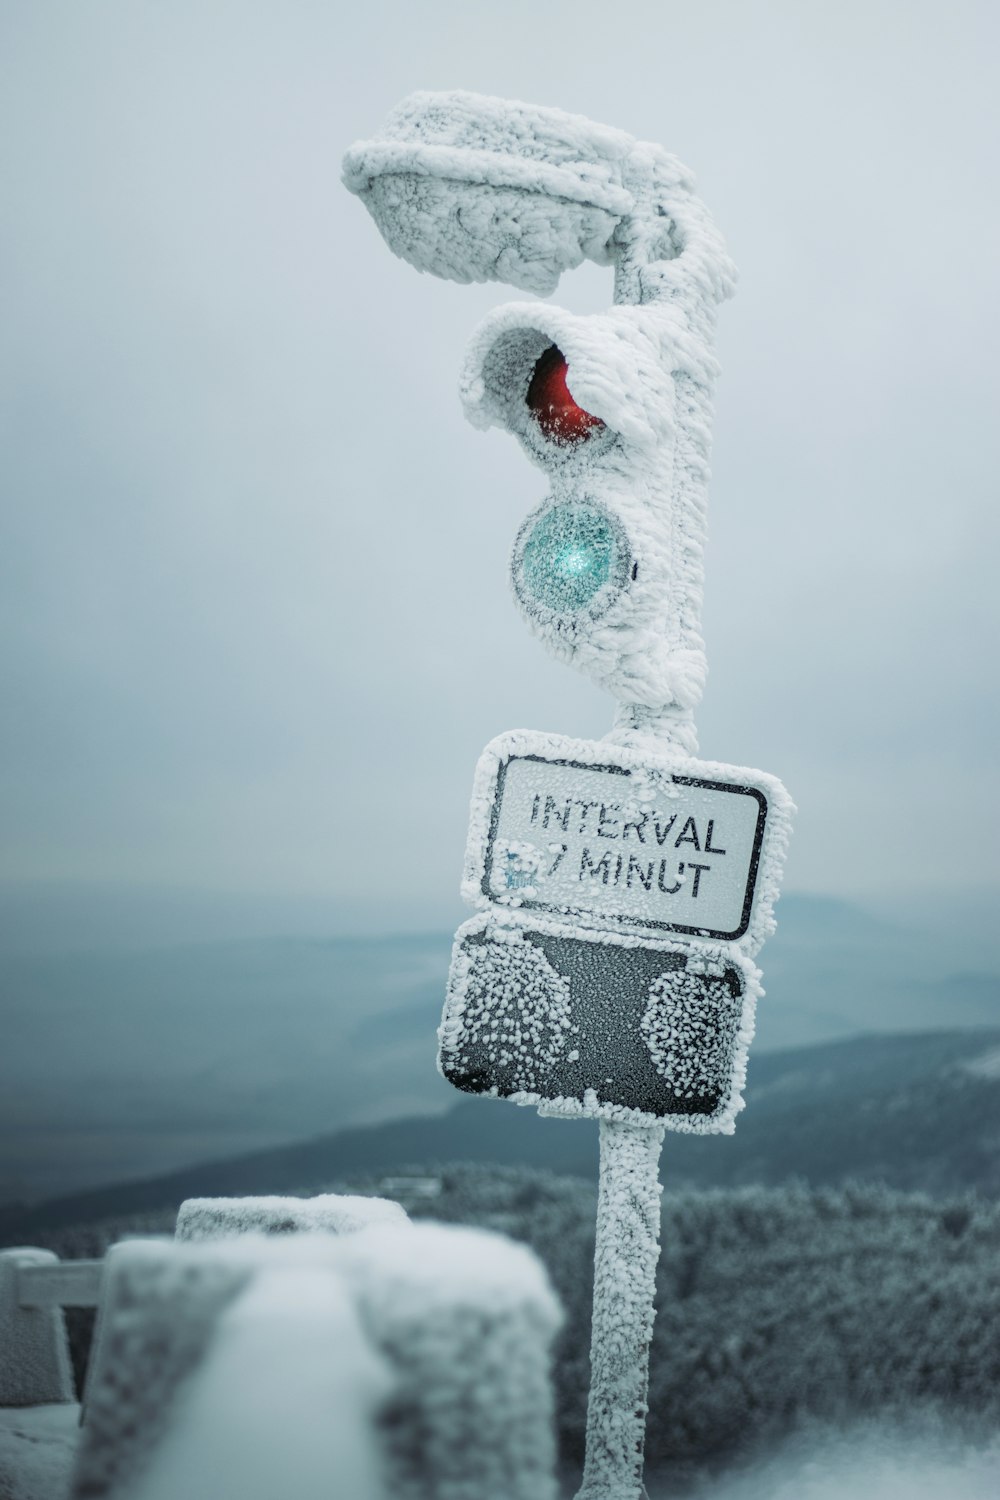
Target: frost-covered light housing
pixel 608 569
pixel 473 188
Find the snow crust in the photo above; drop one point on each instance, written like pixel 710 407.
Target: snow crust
pixel 514 1025
pixel 690 1031
pixel 37 1444
pixel 625 1257
pixel 217 1218
pixel 477 188
pixel 508 996
pixel 648 374
pixel 160 1303
pixel 559 164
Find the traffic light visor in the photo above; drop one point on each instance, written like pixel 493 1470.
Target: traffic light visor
pixel 474 188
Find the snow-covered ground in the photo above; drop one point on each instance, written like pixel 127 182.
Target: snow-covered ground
pixel 36 1451
pixel 919 1458
pixel 871 1463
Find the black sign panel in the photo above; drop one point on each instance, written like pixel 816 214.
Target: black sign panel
pixel 594 1026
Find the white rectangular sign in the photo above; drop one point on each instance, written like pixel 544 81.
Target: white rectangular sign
pixel 588 831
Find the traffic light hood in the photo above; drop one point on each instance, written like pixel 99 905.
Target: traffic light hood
pixel 622 367
pixel 475 188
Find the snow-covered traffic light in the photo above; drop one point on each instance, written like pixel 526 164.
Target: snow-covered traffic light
pixel 607 570
pixel 623 887
pixel 614 407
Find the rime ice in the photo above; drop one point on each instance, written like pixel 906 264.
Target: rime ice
pixel 515 1016
pixel 608 569
pixel 587 860
pixel 590 862
pixel 624 1028
pixel 615 838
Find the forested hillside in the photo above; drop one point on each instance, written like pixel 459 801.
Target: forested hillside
pixel 773 1304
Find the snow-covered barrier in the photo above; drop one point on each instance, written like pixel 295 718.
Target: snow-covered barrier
pixel 438 1337
pixel 283 1404
pixel 34 1352
pixel 160 1304
pixel 336 1213
pixel 465 1319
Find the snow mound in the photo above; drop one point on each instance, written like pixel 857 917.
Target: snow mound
pixel 283 1404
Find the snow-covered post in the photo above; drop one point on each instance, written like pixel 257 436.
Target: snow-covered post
pixel 465 1320
pixel 333 1213
pixel 625 1257
pixel 34 1351
pixel 210 1356
pixel 622 886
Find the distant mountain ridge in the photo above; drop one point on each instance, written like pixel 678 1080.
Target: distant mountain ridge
pixel 917 1111
pixel 124 1064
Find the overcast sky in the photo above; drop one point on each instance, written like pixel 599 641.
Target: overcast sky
pixel 256 622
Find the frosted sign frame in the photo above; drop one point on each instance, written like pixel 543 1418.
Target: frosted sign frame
pixel 597 856
pixel 644 837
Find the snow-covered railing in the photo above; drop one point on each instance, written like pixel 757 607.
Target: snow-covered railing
pixel 283 1404
pixel 35 1285
pixel 67 1283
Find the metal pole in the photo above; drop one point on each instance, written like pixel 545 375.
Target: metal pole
pixel 625 1257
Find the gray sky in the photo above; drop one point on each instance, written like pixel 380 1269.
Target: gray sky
pixel 256 625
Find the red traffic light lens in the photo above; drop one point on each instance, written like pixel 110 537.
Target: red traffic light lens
pixel 551 404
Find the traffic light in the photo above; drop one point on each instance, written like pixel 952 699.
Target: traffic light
pixel 615 409
pixel 623 887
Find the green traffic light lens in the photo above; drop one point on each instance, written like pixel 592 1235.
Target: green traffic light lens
pixel 567 556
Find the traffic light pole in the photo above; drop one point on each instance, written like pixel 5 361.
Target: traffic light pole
pixel 627 1243
pixel 608 571
pixel 625 1258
